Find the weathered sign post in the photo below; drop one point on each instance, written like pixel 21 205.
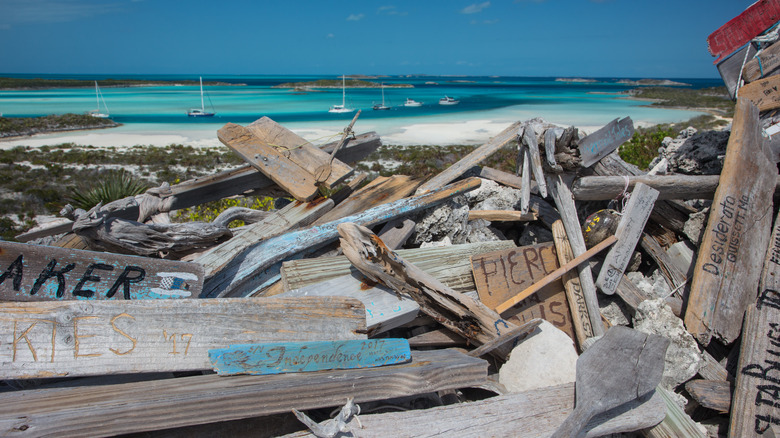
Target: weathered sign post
pixel 743 28
pixel 737 234
pixel 599 144
pixel 38 273
pixel 764 93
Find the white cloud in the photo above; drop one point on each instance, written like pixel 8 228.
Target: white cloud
pixel 355 17
pixel 390 10
pixel 330 35
pixel 475 8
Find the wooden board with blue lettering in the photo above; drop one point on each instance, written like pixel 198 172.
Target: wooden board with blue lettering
pixel 41 273
pixel 602 142
pixel 299 357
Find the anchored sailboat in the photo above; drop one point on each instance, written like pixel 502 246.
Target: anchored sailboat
pixel 382 106
pixel 200 112
pixel 99 97
pixel 343 107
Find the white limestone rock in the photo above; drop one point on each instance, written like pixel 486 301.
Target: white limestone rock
pixel 546 358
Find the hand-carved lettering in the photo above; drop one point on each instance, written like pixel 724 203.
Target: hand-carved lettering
pixel 121 332
pixel 29 343
pixel 77 337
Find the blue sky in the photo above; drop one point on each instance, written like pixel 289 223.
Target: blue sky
pixel 610 38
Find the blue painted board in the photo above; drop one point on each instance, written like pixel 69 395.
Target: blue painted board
pixel 297 357
pixel 602 142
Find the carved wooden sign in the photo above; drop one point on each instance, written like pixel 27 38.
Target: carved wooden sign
pixel 298 357
pixel 756 402
pixel 499 275
pixel 764 93
pixel 38 273
pixel 725 277
pixel 743 28
pixel 602 142
pixel 77 338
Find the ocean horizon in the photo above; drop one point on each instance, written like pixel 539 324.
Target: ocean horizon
pixel 156 115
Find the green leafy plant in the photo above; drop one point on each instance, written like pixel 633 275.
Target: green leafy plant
pixel 113 185
pixel 643 146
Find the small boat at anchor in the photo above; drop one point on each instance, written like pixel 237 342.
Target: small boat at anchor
pixel 382 106
pixel 201 112
pixel 412 102
pixel 446 100
pixel 343 107
pixel 97 112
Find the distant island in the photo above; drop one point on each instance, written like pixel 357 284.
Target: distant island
pixel 653 83
pixel 580 80
pixel 336 83
pixel 43 84
pixel 23 126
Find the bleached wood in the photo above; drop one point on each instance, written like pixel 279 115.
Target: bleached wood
pixel 475 157
pixel 725 278
pixel 529 414
pixel 56 339
pixel 673 275
pixel 629 231
pixel 603 188
pixel 396 232
pixel 571 282
pixel 240 275
pixel 529 139
pixel 563 200
pixel 270 161
pixel 378 192
pixel 502 215
pixel 449 264
pixel 766 62
pixel 162 404
pixel 463 315
pixel 601 143
pixel 676 423
pixel 294 214
pixel 525 176
pixel 763 93
pixel 505 178
pixel 712 394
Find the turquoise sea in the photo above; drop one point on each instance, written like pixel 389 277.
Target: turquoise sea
pixel 151 115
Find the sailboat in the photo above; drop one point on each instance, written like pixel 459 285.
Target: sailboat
pixel 200 112
pixel 343 107
pixel 99 97
pixel 382 106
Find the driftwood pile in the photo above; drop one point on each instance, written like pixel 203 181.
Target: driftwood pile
pixel 577 297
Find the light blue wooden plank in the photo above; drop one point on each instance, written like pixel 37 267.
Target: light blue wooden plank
pixel 297 357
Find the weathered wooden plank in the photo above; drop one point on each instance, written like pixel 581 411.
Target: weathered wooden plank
pixel 737 234
pixel 599 144
pixel 300 357
pixel 240 274
pixel 524 165
pixel 299 150
pixel 449 264
pixel 378 192
pixel 730 69
pixel 502 215
pixel 270 161
pixel 756 403
pixel 437 338
pixel 38 273
pixel 677 423
pixel 602 188
pixel 565 202
pixel 396 232
pixel 505 178
pixel 462 314
pixel 292 215
pixel 712 394
pixel 114 409
pixel 385 310
pixel 744 27
pixel 629 231
pixel 529 139
pixel 555 275
pixel 475 157
pixel 673 275
pixel 529 414
pixel 580 319
pixel 764 93
pixel 499 274
pixel 763 64
pixel 74 338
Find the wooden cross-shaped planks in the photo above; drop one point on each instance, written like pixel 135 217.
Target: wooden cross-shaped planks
pixel 37 273
pixel 77 338
pixel 725 278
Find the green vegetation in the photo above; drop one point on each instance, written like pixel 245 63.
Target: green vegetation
pixel 715 99
pixel 336 83
pixel 114 185
pixel 16 126
pixel 209 211
pixel 38 83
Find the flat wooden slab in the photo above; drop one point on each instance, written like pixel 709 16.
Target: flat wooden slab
pixel 602 142
pixel 298 357
pixel 380 191
pixel 104 410
pixel 269 160
pixel 725 278
pixel 299 150
pixel 39 273
pixel 738 31
pixel 499 275
pixel 76 338
pixel 764 93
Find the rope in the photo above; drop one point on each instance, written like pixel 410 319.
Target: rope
pixel 621 198
pixel 769 36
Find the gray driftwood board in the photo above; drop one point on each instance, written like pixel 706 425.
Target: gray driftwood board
pixel 756 401
pixel 599 144
pixel 725 278
pixel 38 273
pixel 162 404
pixel 78 338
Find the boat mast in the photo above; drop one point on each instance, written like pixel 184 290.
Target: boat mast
pixel 343 91
pixel 202 105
